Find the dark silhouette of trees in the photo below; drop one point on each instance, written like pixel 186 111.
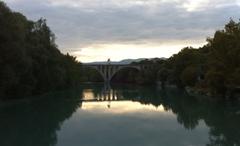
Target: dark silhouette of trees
pixel 224 58
pixel 214 67
pixel 29 58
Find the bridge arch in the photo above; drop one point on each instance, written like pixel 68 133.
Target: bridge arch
pixel 96 70
pixel 123 68
pixel 107 71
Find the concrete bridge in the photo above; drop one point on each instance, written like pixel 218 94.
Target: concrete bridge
pixel 108 70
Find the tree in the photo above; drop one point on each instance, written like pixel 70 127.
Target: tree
pixel 189 76
pixel 163 74
pixel 29 58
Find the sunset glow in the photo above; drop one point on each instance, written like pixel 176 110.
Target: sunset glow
pixel 127 29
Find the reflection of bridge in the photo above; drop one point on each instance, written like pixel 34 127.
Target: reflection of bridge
pixel 102 100
pixel 106 95
pixel 107 71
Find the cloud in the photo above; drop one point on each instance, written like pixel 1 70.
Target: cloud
pixel 80 24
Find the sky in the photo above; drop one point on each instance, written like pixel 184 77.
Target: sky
pixel 95 30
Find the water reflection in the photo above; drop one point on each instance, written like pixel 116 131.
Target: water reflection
pixel 120 107
pixel 116 99
pixel 120 115
pixel 35 122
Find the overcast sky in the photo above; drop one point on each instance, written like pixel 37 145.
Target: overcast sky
pixel 94 30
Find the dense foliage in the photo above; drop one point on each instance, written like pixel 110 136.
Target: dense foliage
pixel 29 59
pixel 213 68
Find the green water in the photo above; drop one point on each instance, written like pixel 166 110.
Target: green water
pixel 94 115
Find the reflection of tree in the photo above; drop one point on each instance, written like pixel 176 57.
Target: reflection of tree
pixel 35 123
pixel 224 125
pixel 184 107
pixel 222 119
pixel 174 100
pixel 144 95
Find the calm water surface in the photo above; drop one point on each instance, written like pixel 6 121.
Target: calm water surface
pixel 97 115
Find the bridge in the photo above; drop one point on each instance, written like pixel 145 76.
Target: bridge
pixel 108 70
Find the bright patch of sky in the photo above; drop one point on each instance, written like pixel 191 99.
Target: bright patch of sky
pixel 94 30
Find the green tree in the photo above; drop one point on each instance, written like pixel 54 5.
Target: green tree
pixel 189 76
pixel 29 58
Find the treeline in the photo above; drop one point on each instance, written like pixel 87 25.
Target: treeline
pixel 213 69
pixel 30 61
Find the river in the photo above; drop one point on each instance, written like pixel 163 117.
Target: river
pixel 120 115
